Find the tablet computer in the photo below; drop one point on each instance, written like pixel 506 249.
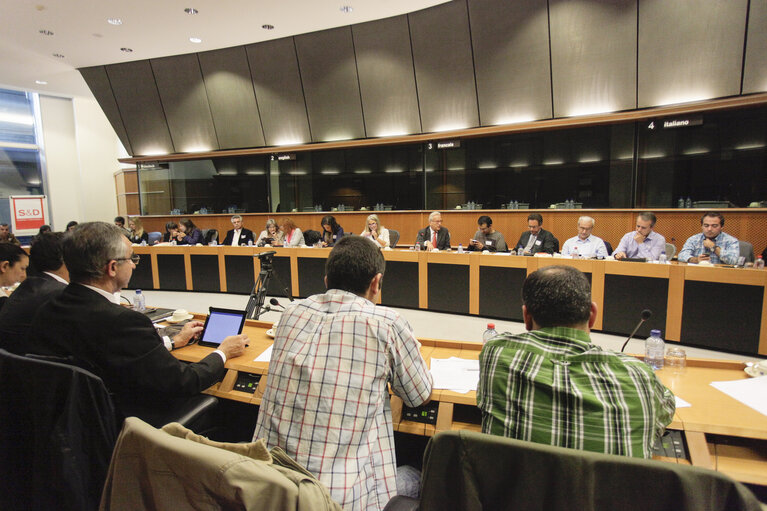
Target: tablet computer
pixel 220 324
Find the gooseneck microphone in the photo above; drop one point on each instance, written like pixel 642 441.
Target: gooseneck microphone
pixel 645 316
pixel 274 302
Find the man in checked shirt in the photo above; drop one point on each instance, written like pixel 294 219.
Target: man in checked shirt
pixel 326 401
pixel 551 385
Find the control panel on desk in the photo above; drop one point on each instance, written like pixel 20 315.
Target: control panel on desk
pixel 426 413
pixel 247 382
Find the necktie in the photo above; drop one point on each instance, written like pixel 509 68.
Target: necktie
pixel 434 240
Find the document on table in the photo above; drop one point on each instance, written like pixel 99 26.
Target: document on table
pixel 751 392
pixel 456 374
pixel 681 403
pixel 266 355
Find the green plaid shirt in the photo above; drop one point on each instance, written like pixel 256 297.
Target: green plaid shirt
pixel 552 386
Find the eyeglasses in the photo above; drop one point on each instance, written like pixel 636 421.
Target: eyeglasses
pixel 135 258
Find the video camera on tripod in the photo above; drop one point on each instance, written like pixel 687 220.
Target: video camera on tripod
pixel 255 306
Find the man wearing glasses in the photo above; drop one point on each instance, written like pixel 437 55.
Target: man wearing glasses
pixel 121 346
pixel 585 245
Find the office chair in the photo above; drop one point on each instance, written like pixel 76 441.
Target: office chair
pixel 609 247
pixel 670 251
pixel 154 237
pixel 473 471
pixel 393 238
pixel 57 430
pixel 209 235
pixel 747 251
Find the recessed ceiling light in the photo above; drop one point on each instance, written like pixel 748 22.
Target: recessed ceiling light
pixel 191 10
pixel 114 21
pixel 346 9
pixel 41 82
pixel 46 32
pixel 126 50
pixel 195 40
pixel 267 27
pixel 58 55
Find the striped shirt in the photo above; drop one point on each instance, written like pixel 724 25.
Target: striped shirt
pixel 729 253
pixel 552 386
pixel 326 401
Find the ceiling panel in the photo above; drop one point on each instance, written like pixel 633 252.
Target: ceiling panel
pixel 444 69
pixel 387 77
pixel 277 82
pixel 511 57
pixel 686 58
pixel 98 81
pixel 593 56
pixel 231 98
pixel 182 92
pixel 755 72
pixel 331 86
pixel 139 103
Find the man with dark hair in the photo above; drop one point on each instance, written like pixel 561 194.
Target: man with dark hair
pixel 487 238
pixel 71 225
pixel 326 401
pixel 712 245
pixel 120 222
pixel 87 322
pixel 51 277
pixel 643 242
pixel 551 385
pixel 537 239
pixel 7 236
pixel 239 235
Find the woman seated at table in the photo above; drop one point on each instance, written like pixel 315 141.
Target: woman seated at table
pixel 188 233
pixel 270 235
pixel 13 268
pixel 377 233
pixel 171 229
pixel 137 234
pixel 292 235
pixel 331 231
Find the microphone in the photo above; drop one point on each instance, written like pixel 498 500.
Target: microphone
pixel 645 316
pixel 274 302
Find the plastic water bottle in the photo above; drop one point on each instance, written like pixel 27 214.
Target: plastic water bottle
pixel 574 253
pixel 139 301
pixel 654 350
pixel 688 203
pixel 489 333
pixel 759 264
pixel 680 202
pixel 512 252
pixel 460 248
pixel 662 259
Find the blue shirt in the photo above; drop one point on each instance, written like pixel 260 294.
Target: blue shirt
pixel 650 248
pixel 730 248
pixel 592 246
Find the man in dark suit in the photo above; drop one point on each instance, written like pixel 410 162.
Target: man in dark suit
pixel 239 235
pixel 118 344
pixel 537 239
pixel 49 279
pixel 434 236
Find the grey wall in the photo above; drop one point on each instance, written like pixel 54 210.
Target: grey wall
pixel 463 64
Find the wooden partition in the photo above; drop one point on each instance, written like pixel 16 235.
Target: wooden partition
pixel 715 307
pixel 748 224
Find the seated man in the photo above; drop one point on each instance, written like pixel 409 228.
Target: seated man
pixel 51 277
pixel 326 401
pixel 552 386
pixel 487 238
pixel 434 236
pixel 118 344
pixel 585 244
pixel 536 239
pixel 7 236
pixel 239 235
pixel 642 242
pixel 712 244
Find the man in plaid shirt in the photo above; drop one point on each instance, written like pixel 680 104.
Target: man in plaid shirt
pixel 326 401
pixel 552 386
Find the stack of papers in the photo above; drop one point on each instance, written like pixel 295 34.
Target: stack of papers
pixel 456 374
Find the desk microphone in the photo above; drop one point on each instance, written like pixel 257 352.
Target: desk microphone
pixel 645 316
pixel 274 302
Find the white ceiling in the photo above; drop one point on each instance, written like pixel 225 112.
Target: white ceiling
pixel 153 28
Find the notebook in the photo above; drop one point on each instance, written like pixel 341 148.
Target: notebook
pixel 158 314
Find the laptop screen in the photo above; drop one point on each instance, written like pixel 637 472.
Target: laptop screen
pixel 221 323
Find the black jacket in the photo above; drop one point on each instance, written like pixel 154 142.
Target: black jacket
pixel 246 235
pixel 548 243
pixel 443 238
pixel 17 313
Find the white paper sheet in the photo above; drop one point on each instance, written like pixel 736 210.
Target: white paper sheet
pixel 265 356
pixel 681 403
pixel 751 392
pixel 456 374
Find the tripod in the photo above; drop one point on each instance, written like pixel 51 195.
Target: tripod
pixel 255 306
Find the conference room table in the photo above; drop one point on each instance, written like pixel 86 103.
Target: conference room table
pixel 721 433
pixel 714 307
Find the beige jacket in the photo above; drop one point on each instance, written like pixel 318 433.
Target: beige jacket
pixel 174 468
